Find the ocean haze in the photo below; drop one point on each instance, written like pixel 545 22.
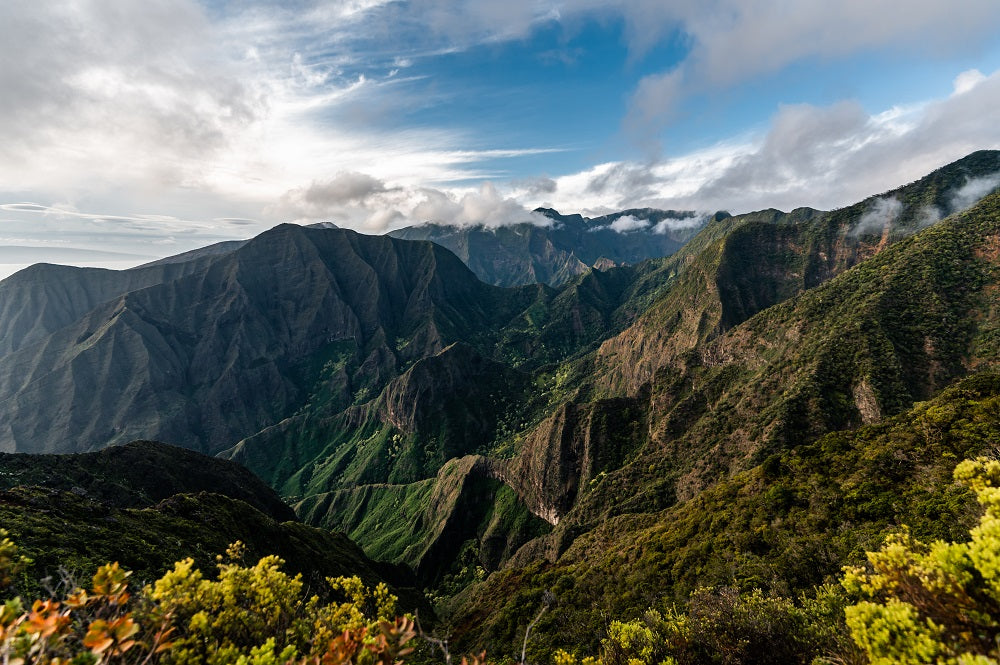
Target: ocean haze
pixel 14 258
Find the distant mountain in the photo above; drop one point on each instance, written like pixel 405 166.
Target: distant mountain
pixel 205 352
pixel 43 298
pixel 216 249
pixel 555 248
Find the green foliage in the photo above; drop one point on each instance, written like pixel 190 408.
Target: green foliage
pixel 785 527
pixel 62 530
pixel 937 602
pixel 725 626
pixel 12 562
pixel 248 615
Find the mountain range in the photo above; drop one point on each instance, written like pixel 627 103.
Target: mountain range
pixel 553 248
pixel 744 409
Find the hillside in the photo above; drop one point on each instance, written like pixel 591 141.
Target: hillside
pixel 783 526
pixel 141 474
pixel 215 355
pixel 147 505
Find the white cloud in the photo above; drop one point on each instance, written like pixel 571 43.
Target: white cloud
pixel 270 111
pixel 968 80
pixel 732 41
pixel 973 190
pixel 823 157
pixel 628 223
pixel 484 206
pixel 129 91
pixel 368 203
pixel 882 213
pixel 669 224
pixel 115 105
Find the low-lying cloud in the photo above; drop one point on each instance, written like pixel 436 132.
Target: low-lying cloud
pixel 963 198
pixel 628 223
pixel 362 201
pixel 669 224
pixel 881 215
pixel 973 191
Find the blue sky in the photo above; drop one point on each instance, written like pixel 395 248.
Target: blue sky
pixel 151 128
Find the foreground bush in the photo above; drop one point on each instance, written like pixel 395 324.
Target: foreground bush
pixel 248 615
pixel 726 626
pixel 936 603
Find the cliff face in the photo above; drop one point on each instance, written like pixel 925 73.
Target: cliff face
pixel 572 449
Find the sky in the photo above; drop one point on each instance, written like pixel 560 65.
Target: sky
pixel 135 130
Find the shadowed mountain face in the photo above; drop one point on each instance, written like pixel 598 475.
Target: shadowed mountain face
pixel 141 474
pixel 147 505
pixel 231 344
pixel 559 247
pixel 43 298
pixel 386 392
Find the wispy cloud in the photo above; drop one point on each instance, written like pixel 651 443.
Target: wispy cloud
pixel 880 216
pixel 973 190
pixel 733 41
pixel 114 101
pixel 227 117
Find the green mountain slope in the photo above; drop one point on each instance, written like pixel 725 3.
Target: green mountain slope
pixel 451 425
pixel 865 345
pixel 783 526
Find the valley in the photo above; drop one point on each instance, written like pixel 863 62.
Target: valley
pixel 752 403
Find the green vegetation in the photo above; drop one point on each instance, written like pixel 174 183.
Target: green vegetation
pixel 683 453
pixel 785 527
pixel 248 615
pixel 911 604
pixel 70 514
pixel 938 602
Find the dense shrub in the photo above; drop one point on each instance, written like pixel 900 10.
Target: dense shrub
pixel 936 603
pixel 247 615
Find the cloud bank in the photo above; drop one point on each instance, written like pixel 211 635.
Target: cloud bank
pixel 818 156
pixel 362 201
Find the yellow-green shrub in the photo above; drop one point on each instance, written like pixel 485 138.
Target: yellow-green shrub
pixel 248 615
pixel 936 603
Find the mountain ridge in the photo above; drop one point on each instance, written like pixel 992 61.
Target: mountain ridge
pixel 561 247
